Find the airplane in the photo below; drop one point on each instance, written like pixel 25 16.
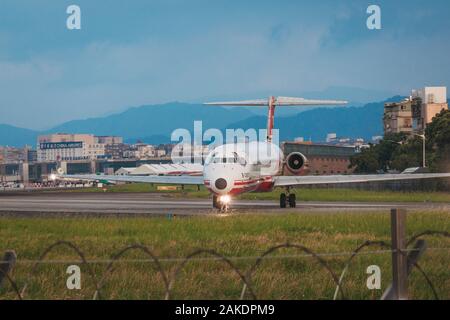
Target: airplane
pixel 256 166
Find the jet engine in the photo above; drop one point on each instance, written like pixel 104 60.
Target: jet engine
pixel 295 164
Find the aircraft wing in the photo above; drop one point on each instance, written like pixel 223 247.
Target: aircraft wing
pixel 285 181
pixel 180 180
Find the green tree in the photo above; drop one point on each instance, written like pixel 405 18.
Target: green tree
pixel 378 156
pixel 366 161
pixel 407 155
pixel 437 136
pixel 401 151
pixel 388 147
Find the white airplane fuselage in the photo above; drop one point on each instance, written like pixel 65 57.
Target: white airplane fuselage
pixel 232 169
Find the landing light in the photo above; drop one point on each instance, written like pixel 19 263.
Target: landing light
pixel 53 177
pixel 225 199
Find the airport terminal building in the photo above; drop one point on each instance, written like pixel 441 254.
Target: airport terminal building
pixel 70 147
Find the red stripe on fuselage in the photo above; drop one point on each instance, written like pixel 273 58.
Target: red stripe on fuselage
pixel 245 182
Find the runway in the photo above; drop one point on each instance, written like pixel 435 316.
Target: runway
pixel 67 203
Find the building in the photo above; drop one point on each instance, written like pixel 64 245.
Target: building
pixel 124 171
pixel 333 140
pixel 323 159
pixel 160 153
pixel 117 150
pixel 331 137
pixel 109 140
pixel 398 117
pixel 145 151
pixel 430 102
pixel 414 113
pixel 16 155
pixel 68 147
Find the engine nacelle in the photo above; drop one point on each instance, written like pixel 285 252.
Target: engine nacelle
pixel 295 164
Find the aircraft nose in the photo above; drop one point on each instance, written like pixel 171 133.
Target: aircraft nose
pixel 220 184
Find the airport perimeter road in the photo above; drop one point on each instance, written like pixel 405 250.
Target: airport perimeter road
pixel 22 204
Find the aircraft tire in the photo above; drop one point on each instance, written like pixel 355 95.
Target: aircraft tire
pixel 283 200
pixel 292 200
pixel 215 202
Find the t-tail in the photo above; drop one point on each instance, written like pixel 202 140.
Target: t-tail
pixel 272 102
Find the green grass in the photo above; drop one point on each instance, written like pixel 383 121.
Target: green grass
pixel 232 236
pixel 304 194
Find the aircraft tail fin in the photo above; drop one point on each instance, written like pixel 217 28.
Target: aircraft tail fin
pixel 273 102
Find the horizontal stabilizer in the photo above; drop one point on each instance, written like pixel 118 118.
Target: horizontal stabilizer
pixel 279 101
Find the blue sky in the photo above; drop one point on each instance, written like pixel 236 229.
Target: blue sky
pixel 130 53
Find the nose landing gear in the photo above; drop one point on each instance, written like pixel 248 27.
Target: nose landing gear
pixel 290 200
pixel 221 203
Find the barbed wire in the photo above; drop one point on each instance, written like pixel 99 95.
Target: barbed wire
pixel 245 278
pixel 232 258
pixel 12 283
pixel 368 243
pixel 116 257
pixel 49 249
pixel 427 233
pixel 288 245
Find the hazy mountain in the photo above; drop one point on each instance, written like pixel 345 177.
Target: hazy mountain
pixel 355 96
pixel 14 136
pixel 155 123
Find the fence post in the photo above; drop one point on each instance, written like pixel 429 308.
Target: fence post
pixel 7 264
pixel 399 257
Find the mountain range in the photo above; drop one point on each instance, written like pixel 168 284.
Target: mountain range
pixel 155 123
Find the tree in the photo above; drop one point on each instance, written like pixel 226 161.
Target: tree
pixel 400 151
pixel 407 155
pixel 388 147
pixel 366 161
pixel 438 142
pixel 378 156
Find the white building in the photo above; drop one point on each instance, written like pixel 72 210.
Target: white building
pixel 66 147
pixel 124 171
pixel 331 137
pixel 144 151
pixel 433 101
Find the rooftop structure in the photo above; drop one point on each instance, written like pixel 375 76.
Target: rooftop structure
pixel 63 146
pixel 414 113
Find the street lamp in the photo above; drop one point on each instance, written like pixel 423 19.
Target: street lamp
pixel 423 148
pixel 392 141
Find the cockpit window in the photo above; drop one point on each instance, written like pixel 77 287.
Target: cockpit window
pixel 220 158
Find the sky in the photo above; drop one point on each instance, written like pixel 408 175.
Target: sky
pixel 131 53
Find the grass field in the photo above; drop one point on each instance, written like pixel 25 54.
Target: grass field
pixel 305 194
pixel 242 236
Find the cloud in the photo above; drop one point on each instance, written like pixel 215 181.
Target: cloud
pixel 204 49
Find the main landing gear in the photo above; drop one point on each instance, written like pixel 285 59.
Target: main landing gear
pixel 288 199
